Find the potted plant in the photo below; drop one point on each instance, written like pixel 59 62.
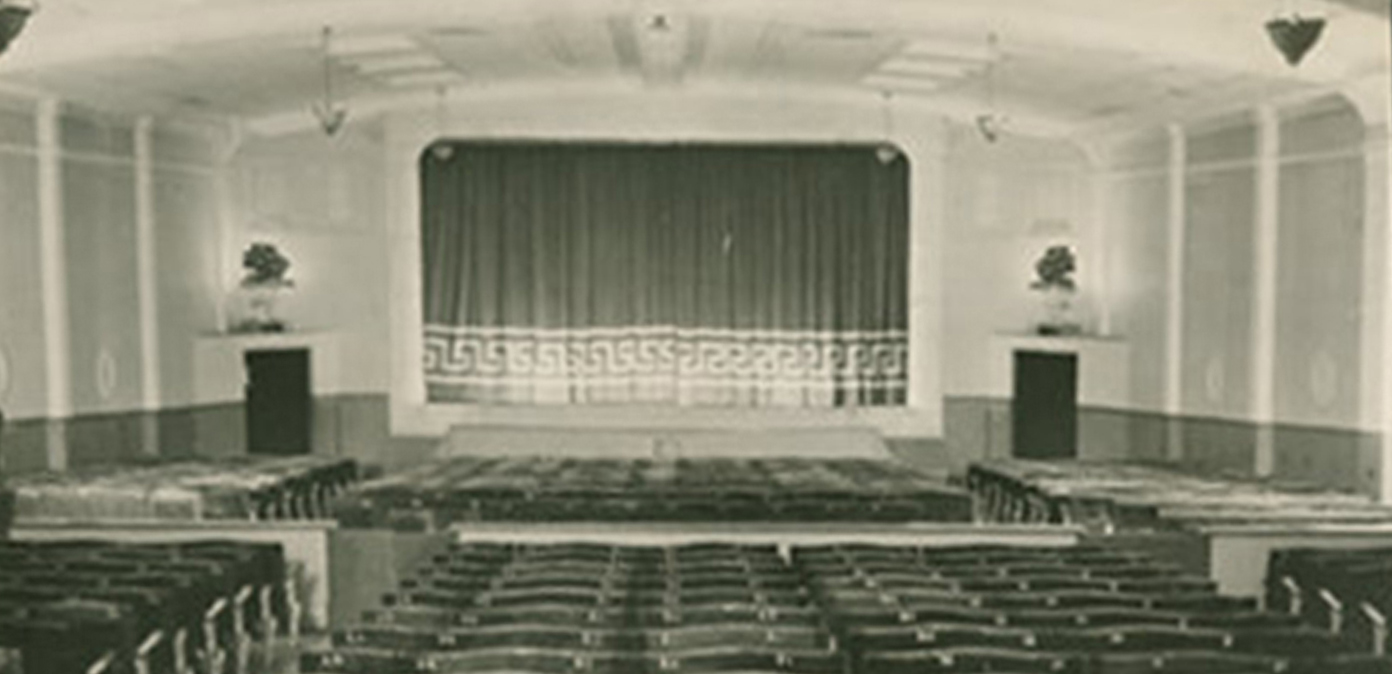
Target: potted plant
pixel 265 279
pixel 1054 280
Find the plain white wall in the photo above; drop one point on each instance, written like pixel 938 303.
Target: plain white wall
pixel 320 200
pixel 1007 202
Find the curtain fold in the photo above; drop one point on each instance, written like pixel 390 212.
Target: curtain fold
pixel 689 275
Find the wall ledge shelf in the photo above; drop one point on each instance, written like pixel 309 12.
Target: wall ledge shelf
pixel 1104 365
pixel 219 361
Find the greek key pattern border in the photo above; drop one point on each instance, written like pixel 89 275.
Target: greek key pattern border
pixel 476 356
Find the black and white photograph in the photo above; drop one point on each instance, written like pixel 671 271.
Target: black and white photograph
pixel 695 336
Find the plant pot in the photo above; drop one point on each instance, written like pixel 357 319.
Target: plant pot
pixel 1058 312
pixel 258 310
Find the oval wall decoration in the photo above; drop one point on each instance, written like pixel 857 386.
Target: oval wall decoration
pixel 108 375
pixel 1215 380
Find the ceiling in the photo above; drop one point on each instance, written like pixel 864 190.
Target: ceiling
pixel 1379 7
pixel 1072 64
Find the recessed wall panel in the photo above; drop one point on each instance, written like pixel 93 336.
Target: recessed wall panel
pixel 23 383
pixel 1218 292
pixel 103 297
pixel 1319 293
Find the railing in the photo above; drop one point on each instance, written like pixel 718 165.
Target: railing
pixel 1378 622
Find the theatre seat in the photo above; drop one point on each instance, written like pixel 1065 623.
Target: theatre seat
pixel 68 605
pixel 846 609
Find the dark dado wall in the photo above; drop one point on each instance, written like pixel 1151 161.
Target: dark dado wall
pixel 1336 458
pixel 1332 456
pixel 356 425
pixel 353 425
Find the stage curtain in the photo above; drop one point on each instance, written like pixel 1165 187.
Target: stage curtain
pixel 681 274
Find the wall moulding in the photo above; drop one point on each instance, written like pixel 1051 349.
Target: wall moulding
pixel 1369 96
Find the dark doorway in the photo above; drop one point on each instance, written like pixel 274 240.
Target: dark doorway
pixel 1045 408
pixel 278 402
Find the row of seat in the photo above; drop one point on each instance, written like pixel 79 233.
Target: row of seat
pixel 1344 589
pixel 1020 610
pixel 1110 496
pixel 82 606
pixel 438 494
pixel 846 608
pixel 233 488
pixel 560 608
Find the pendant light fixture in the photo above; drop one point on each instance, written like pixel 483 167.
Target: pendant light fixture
pixel 13 16
pixel 1294 35
pixel 329 113
pixel 991 123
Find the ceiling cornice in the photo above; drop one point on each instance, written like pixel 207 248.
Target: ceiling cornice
pixel 554 95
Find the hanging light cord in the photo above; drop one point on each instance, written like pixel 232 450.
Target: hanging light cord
pixel 993 47
pixel 887 114
pixel 328 70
